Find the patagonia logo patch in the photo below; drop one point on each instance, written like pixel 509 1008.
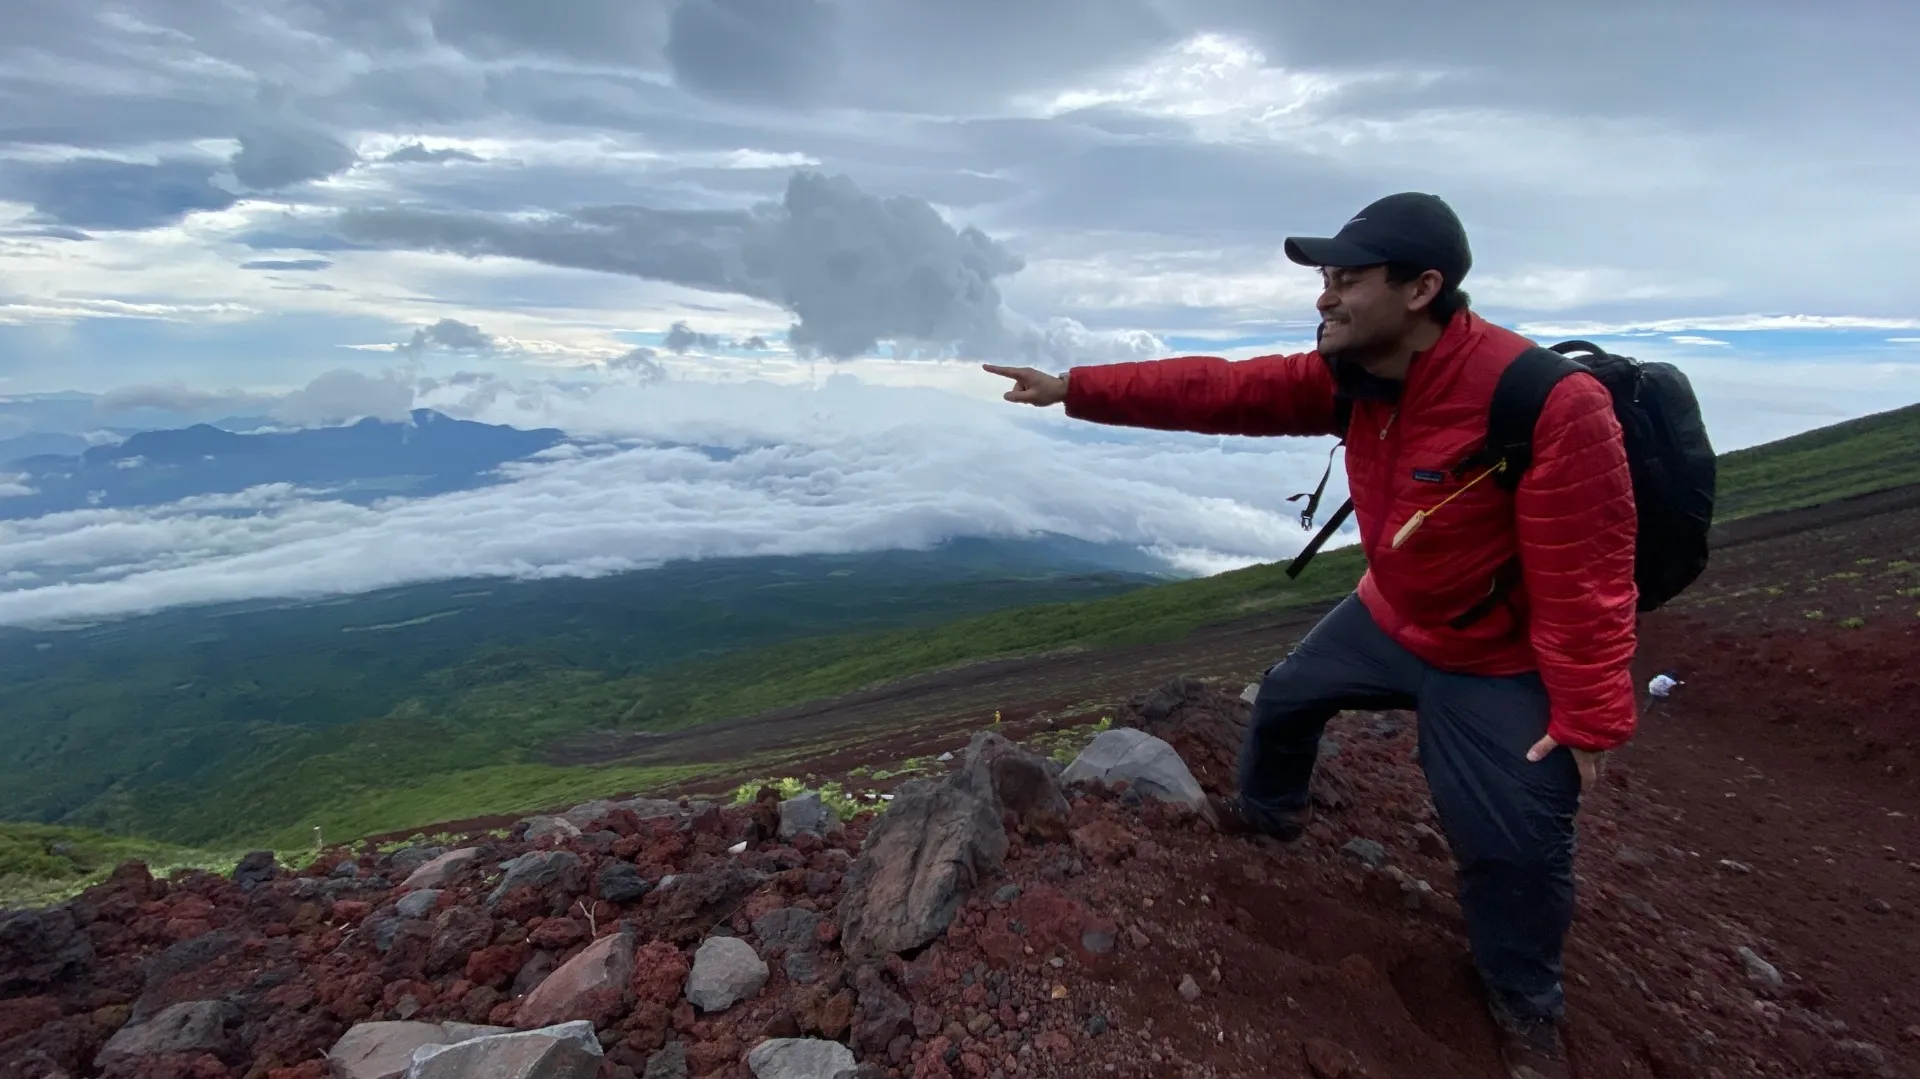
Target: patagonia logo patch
pixel 1429 475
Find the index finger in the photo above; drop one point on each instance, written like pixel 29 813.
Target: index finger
pixel 1010 372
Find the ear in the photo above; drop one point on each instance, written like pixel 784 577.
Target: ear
pixel 1426 289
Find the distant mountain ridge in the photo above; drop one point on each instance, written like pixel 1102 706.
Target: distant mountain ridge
pixel 430 453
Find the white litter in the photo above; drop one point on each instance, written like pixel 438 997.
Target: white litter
pixel 1662 685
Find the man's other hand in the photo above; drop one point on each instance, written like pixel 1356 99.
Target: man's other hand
pixel 1591 762
pixel 1031 387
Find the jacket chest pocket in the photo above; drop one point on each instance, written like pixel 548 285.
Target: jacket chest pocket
pixel 1438 508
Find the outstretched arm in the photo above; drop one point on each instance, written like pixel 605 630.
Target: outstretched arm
pixel 1577 522
pixel 1267 395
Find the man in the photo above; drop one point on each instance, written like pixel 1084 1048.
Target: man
pixel 1516 700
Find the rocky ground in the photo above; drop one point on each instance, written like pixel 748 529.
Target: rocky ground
pixel 1008 919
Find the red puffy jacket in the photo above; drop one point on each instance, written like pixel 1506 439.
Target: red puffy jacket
pixel 1572 520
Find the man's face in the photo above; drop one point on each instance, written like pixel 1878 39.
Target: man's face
pixel 1363 316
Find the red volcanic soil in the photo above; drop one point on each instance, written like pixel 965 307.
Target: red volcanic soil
pixel 1749 886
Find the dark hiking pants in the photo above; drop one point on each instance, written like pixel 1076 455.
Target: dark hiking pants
pixel 1510 821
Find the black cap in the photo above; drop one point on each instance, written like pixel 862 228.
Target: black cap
pixel 1409 227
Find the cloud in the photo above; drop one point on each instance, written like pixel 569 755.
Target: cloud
pixel 644 363
pixel 854 268
pixel 176 397
pixel 681 338
pixel 1692 339
pixel 344 395
pixel 280 152
pixel 451 335
pixel 416 153
pixel 801 472
pixel 286 264
pixel 778 53
pixel 99 193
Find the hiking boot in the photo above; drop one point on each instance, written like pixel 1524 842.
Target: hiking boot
pixel 1530 1047
pixel 1233 816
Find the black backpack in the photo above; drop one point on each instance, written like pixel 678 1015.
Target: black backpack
pixel 1668 453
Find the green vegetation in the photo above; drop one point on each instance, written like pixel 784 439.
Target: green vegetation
pixel 44 863
pixel 1857 457
pixel 253 723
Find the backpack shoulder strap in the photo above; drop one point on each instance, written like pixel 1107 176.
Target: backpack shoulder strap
pixel 1515 410
pixel 1342 417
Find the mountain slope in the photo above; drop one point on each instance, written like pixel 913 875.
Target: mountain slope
pixel 1857 457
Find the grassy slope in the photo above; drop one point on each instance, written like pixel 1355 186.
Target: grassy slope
pixel 1857 457
pixel 41 863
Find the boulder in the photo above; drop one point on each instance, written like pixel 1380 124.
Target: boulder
pixel 566 1051
pixel 725 970
pixel 591 986
pixel 807 813
pixel 799 1058
pixel 255 869
pixel 621 882
pixel 1019 783
pixel 384 1050
pixel 198 1026
pixel 417 904
pixel 933 845
pixel 403 862
pixel 539 828
pixel 442 869
pixel 540 870
pixel 788 929
pixel 39 948
pixel 1148 764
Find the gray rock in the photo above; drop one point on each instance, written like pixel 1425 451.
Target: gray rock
pixel 41 947
pixel 725 970
pixel 442 869
pixel 384 1050
pixel 933 846
pixel 417 904
pixel 1148 764
pixel 257 868
pixel 1366 852
pixel 1015 781
pixel 807 813
pixel 198 1026
pixel 787 929
pixel 1759 970
pixel 670 1062
pixel 404 861
pixel 621 882
pixel 541 870
pixel 346 870
pixel 541 827
pixel 645 808
pixel 799 1058
pixel 565 1051
pixel 803 968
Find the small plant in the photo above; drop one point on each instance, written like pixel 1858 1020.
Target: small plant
pixel 1816 615
pixel 1852 623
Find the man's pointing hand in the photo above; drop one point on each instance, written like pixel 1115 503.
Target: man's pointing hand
pixel 1031 387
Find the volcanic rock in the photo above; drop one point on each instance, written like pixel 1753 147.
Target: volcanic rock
pixel 934 844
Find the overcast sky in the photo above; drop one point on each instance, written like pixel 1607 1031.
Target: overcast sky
pixel 575 212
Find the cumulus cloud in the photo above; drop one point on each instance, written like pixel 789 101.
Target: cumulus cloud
pixel 854 267
pixel 344 395
pixel 451 335
pixel 682 338
pixel 642 363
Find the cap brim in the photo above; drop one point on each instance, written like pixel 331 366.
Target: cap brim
pixel 1328 251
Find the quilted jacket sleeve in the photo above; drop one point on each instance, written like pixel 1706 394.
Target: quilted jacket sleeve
pixel 1267 395
pixel 1576 521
